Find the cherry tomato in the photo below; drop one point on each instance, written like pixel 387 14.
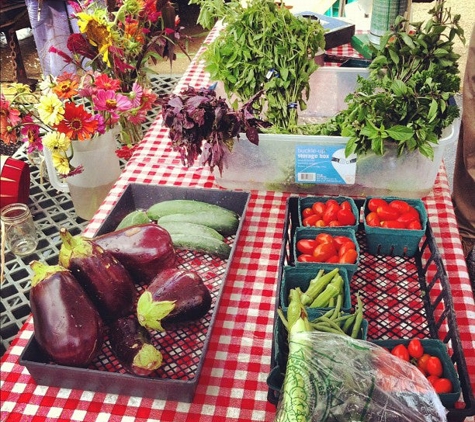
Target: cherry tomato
pixel 345 205
pixel 306 246
pixel 324 251
pixel 374 203
pixel 392 224
pixel 414 225
pixel 330 214
pixel 415 348
pixel 346 217
pixel 310 221
pixel 400 205
pixel 443 386
pixel 323 238
pixel 401 352
pixel 332 203
pixel 432 379
pixel 333 259
pixel 339 240
pixel 422 363
pixel 345 247
pixel 306 258
pixel 434 366
pixel 373 220
pixel 385 212
pixel 307 212
pixel 334 223
pixel 407 217
pixel 318 208
pixel 320 223
pixel 349 257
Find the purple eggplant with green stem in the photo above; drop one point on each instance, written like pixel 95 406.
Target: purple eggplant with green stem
pixel 174 295
pixel 67 326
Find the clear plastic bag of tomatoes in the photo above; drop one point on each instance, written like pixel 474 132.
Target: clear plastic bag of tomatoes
pixel 331 377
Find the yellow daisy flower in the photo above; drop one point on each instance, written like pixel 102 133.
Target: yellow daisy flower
pixel 50 109
pixel 56 142
pixel 61 163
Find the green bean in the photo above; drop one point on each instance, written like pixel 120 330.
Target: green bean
pixel 359 318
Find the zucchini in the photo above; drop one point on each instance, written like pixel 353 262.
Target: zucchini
pixel 191 229
pixel 209 245
pixel 223 222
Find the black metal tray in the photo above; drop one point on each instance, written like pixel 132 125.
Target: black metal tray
pixel 404 297
pixel 184 348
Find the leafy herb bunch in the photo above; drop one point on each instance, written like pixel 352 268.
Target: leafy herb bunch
pixel 405 100
pixel 263 46
pixel 203 126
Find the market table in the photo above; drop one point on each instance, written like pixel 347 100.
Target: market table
pixel 232 385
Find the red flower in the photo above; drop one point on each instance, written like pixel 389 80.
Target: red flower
pixel 77 44
pixel 77 124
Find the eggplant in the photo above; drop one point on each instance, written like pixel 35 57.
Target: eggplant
pixel 67 326
pixel 174 295
pixel 144 250
pixel 132 345
pixel 102 276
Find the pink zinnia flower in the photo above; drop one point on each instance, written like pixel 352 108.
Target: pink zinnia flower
pixel 106 83
pixel 136 95
pixel 30 132
pixel 112 102
pixel 7 112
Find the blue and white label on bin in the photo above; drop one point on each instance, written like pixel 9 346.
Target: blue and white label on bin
pixel 324 164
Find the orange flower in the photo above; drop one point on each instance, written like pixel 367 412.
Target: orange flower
pixel 66 85
pixel 77 124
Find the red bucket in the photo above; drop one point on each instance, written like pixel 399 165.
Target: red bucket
pixel 14 181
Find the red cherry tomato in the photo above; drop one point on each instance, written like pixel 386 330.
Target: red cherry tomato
pixel 310 221
pixel 414 225
pixel 318 208
pixel 324 251
pixel 392 224
pixel 306 258
pixel 432 379
pixel 443 386
pixel 332 203
pixel 340 240
pixel 345 205
pixel 422 363
pixel 385 213
pixel 320 223
pixel 346 247
pixel 373 220
pixel 434 366
pixel 323 238
pixel 306 246
pixel 333 259
pixel 415 348
pixel 307 212
pixel 400 205
pixel 401 352
pixel 334 223
pixel 407 217
pixel 349 257
pixel 346 217
pixel 374 203
pixel 330 214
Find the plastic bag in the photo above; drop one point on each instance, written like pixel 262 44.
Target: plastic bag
pixel 331 377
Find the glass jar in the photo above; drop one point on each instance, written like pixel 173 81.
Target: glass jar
pixel 19 229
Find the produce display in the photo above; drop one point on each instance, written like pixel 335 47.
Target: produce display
pixel 120 287
pixel 392 214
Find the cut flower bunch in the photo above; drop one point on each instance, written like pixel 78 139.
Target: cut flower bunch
pixel 109 90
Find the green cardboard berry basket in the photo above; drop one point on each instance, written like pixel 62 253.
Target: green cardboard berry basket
pixel 308 201
pixel 434 348
pixel 293 278
pixel 312 232
pixel 395 242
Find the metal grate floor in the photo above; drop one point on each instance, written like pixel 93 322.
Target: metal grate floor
pixel 51 210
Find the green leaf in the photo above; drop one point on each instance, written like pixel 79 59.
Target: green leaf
pixel 432 110
pixel 399 87
pixel 400 132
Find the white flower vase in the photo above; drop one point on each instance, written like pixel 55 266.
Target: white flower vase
pixel 101 169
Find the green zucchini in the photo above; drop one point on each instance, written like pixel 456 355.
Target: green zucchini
pixel 191 229
pixel 223 222
pixel 209 245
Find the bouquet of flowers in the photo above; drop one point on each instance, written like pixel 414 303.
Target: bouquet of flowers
pixel 110 89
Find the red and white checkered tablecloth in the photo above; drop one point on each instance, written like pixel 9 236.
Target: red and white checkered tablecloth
pixel 232 386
